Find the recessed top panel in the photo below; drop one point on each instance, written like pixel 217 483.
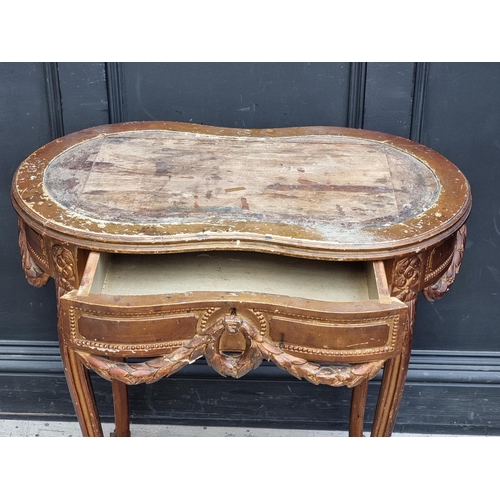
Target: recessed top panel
pixel 161 177
pixel 325 188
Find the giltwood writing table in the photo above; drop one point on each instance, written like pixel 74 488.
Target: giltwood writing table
pixel 304 246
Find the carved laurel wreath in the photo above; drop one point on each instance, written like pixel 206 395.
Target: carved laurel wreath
pixel 207 344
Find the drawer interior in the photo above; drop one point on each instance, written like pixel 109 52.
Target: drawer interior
pixel 234 272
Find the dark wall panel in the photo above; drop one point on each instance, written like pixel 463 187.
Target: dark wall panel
pixel 388 98
pixel 25 312
pixel 451 107
pixel 461 120
pixel 248 95
pixel 84 97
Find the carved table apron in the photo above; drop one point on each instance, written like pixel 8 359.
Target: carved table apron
pixel 304 246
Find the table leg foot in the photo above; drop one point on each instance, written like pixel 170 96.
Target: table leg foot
pixel 358 406
pixel 121 407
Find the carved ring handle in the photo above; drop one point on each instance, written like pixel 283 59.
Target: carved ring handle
pixel 205 344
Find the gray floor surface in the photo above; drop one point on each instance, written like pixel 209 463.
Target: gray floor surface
pixel 31 428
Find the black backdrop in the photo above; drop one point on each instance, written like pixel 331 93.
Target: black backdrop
pixel 454 377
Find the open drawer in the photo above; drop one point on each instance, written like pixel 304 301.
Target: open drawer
pixel 150 305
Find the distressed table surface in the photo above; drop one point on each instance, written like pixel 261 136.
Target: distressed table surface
pixel 157 186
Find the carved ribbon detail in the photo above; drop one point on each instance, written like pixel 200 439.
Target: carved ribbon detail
pixel 206 344
pixel 438 289
pixel 35 276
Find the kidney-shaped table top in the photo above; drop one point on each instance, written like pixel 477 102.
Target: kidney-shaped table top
pixel 325 192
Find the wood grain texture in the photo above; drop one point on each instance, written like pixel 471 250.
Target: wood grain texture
pixel 317 191
pixel 156 177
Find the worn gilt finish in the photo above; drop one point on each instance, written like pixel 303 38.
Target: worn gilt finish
pixel 207 344
pixel 324 194
pixel 438 289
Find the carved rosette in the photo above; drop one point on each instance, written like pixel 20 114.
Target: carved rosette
pixel 438 289
pixel 64 263
pixel 207 342
pixel 406 278
pixel 35 276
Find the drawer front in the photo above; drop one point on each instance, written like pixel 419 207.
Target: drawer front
pixel 348 332
pixel 334 339
pixel 151 326
pixel 131 330
pixel 133 334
